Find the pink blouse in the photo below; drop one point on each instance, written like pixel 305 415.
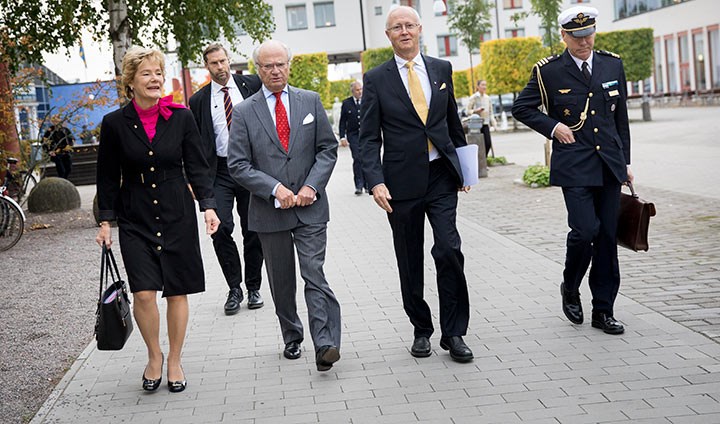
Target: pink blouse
pixel 148 117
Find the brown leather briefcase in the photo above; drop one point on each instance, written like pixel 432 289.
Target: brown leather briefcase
pixel 634 220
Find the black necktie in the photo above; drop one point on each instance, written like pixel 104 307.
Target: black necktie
pixel 586 71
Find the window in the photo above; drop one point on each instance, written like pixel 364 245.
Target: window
pixel 714 49
pixel 579 1
pixel 378 10
pixel 324 14
pixel 699 59
pixel 658 71
pixel 447 45
pixel 684 53
pixel 512 4
pixel 514 32
pixel 627 8
pixel 296 17
pixel 447 9
pixel 671 60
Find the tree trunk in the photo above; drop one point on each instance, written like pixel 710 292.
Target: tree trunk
pixel 10 142
pixel 120 37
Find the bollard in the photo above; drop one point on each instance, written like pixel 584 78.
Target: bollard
pixel 646 108
pixel 475 136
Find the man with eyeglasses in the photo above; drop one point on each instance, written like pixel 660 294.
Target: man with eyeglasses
pixel 283 149
pixel 212 107
pixel 409 111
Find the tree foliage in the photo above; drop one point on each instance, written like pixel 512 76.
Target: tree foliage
pixel 29 28
pixel 461 83
pixel 635 47
pixel 507 62
pixel 371 58
pixel 469 20
pixel 309 71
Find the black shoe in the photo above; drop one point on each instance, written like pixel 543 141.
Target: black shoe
pixel 326 357
pixel 152 385
pixel 358 191
pixel 177 386
pixel 607 323
pixel 292 350
pixel 421 347
pixel 571 305
pixel 255 301
pixel 459 351
pixel 232 304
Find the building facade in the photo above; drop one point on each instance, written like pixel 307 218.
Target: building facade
pixel 687 57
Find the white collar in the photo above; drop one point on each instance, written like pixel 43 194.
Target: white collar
pixel 269 93
pixel 417 59
pixel 215 87
pixel 579 62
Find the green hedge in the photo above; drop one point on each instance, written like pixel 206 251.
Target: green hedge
pixel 309 71
pixel 340 89
pixel 635 47
pixel 461 83
pixel 371 58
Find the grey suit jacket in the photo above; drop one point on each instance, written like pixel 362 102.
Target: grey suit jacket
pixel 257 160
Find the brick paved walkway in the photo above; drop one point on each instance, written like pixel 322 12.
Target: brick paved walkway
pixel 531 365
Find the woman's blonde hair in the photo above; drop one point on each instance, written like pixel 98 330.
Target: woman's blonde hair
pixel 131 62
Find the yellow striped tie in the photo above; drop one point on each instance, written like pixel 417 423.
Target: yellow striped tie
pixel 417 96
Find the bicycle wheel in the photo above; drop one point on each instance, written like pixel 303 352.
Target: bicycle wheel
pixel 29 183
pixel 12 224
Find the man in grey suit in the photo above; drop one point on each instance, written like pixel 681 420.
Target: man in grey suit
pixel 283 150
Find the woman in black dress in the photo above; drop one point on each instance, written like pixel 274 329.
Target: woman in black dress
pixel 147 151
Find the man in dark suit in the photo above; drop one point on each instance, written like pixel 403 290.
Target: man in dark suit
pixel 212 107
pixel 350 133
pixel 585 97
pixel 409 110
pixel 283 149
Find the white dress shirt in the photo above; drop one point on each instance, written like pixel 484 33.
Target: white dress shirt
pixel 217 110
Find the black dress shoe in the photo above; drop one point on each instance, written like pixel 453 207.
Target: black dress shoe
pixel 152 385
pixel 358 191
pixel 177 386
pixel 421 347
pixel 255 301
pixel 571 305
pixel 326 356
pixel 292 350
pixel 232 304
pixel 459 351
pixel 607 323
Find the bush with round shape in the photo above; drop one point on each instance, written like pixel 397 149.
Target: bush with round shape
pixel 53 194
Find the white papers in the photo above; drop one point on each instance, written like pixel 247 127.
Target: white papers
pixel 468 157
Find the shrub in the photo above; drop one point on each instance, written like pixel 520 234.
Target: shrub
pixel 537 176
pixel 496 160
pixel 53 194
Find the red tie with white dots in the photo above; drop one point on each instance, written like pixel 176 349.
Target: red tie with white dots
pixel 281 122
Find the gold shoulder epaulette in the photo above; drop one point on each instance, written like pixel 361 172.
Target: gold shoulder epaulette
pixel 607 53
pixel 547 60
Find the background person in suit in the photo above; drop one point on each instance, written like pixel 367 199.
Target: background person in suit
pixel 283 149
pixel 409 109
pixel 350 133
pixel 585 97
pixel 58 143
pixel 212 108
pixel 146 151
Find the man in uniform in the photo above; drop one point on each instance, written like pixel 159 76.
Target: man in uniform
pixel 584 95
pixel 350 132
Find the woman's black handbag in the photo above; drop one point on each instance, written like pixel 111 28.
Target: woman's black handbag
pixel 113 323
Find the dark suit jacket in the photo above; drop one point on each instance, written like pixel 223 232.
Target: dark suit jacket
pixel 200 106
pixel 605 135
pixel 389 120
pixel 257 160
pixel 349 117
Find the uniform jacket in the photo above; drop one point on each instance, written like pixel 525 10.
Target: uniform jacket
pixel 390 121
pixel 603 137
pixel 141 184
pixel 200 106
pixel 257 160
pixel 349 117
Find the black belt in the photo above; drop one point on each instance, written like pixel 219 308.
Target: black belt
pixel 149 176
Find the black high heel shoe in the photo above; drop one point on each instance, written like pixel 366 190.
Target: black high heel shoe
pixel 177 386
pixel 152 385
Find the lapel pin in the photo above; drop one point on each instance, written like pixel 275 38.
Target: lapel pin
pixel 566 112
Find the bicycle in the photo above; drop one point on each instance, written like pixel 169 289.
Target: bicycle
pixel 12 217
